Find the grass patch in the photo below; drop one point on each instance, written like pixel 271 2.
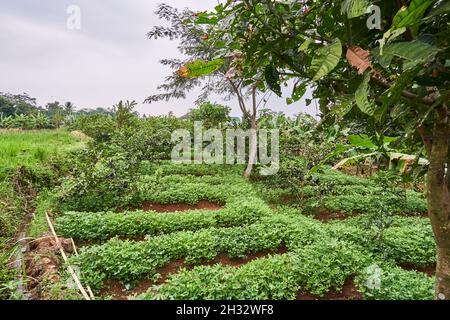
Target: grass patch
pixel 28 148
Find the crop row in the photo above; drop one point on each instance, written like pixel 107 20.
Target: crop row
pixel 129 261
pixel 334 191
pixel 192 189
pixel 104 225
pixel 315 268
pixel 169 168
pixel 160 188
pixel 362 200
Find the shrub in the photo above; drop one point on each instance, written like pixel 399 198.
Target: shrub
pixel 411 245
pixel 99 127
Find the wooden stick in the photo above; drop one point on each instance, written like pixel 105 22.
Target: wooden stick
pixel 76 253
pixel 74 247
pixel 90 293
pixel 63 254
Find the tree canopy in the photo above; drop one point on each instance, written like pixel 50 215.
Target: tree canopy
pixel 383 62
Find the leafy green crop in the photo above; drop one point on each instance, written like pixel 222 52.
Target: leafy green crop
pixel 104 225
pixel 274 277
pixel 394 283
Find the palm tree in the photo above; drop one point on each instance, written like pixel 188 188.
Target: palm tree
pixel 69 107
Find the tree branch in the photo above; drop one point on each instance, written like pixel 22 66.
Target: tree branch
pixel 240 98
pixel 406 94
pixel 254 102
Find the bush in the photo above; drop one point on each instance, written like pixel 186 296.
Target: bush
pixel 411 245
pixel 26 122
pixel 99 127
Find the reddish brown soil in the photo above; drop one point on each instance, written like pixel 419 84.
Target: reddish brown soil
pixel 429 270
pixel 349 292
pixel 287 200
pixel 202 205
pixel 119 292
pixel 326 216
pixel 417 215
pixel 42 263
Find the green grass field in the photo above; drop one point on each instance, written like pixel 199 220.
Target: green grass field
pixel 26 148
pixel 30 149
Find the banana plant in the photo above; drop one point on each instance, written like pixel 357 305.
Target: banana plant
pixel 362 147
pixel 366 149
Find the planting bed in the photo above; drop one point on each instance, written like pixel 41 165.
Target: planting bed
pixel 203 233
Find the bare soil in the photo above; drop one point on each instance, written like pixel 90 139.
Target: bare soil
pixel 326 216
pixel 348 292
pixel 179 207
pixel 42 263
pixel 429 270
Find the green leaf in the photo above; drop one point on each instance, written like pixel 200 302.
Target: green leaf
pixel 305 45
pixel 340 148
pixel 390 35
pixel 411 16
pixel 299 91
pixel 361 141
pixel 327 59
pixel 392 95
pixel 204 18
pixel 272 77
pixel 200 68
pixel 364 141
pixel 442 8
pixel 354 8
pixel 361 97
pixel 352 160
pixel 416 52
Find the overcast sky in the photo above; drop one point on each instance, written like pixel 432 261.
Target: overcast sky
pixel 107 60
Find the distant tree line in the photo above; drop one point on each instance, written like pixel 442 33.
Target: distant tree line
pixel 22 111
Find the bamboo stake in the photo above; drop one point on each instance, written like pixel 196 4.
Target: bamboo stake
pixel 74 247
pixel 76 253
pixel 90 293
pixel 63 254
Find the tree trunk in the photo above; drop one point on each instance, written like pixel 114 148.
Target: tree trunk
pixel 253 135
pixel 253 149
pixel 438 196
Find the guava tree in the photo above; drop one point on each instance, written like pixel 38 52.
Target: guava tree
pixel 214 67
pixel 388 59
pixel 213 115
